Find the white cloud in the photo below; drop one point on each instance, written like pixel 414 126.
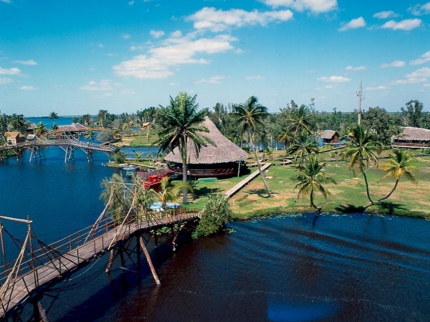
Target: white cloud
pixel 25 62
pixel 334 79
pixel 424 58
pixel 176 34
pixel 156 33
pixel 353 24
pixel 137 47
pixel 6 1
pixel 220 20
pixel 211 80
pixel 5 80
pixel 396 63
pixel 377 88
pixel 418 76
pixel 407 24
pixel 258 78
pixel 27 88
pixel 10 71
pixel 419 9
pixel 126 36
pixel 316 6
pixel 103 85
pixel 426 85
pixel 156 62
pixel 352 68
pixel 130 3
pixel 385 15
pixel 100 45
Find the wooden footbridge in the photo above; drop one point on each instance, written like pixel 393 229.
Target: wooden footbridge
pixel 68 145
pixel 40 266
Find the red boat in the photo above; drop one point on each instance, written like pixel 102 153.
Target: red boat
pixel 153 181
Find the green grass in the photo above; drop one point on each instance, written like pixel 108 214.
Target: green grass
pixel 348 195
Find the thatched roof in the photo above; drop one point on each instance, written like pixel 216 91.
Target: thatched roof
pixel 328 134
pixel 225 151
pixel 74 127
pixel 413 134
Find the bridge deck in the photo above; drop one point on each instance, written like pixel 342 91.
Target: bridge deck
pixel 55 269
pixel 62 142
pixel 245 181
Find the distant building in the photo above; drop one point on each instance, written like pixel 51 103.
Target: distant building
pixel 329 137
pixel 12 138
pixel 69 131
pixel 412 137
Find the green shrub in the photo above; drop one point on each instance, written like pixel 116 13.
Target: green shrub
pixel 215 216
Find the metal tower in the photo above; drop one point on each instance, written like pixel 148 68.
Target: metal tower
pixel 360 95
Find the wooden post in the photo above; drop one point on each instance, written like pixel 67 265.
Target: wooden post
pixel 148 258
pixel 109 265
pixel 42 312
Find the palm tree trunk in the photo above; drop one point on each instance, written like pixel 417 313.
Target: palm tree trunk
pixel 367 186
pixel 184 175
pixel 391 192
pixel 259 166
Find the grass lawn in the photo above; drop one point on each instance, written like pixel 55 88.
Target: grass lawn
pixel 348 195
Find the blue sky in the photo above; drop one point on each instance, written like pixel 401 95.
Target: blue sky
pixel 77 57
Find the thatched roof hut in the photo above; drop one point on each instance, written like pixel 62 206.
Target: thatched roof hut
pixel 225 151
pixel 412 137
pixel 329 136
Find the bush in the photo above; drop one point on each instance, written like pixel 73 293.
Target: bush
pixel 215 216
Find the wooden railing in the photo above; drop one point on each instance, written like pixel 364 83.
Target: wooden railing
pixel 96 234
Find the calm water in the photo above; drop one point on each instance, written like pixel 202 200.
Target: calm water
pixel 334 268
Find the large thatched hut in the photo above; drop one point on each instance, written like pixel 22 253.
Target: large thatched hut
pixel 412 137
pixel 225 159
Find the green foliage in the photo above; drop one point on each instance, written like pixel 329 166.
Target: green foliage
pixel 215 216
pixel 118 156
pixel 53 115
pixel 105 135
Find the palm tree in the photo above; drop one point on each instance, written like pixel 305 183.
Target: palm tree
pixel 302 145
pixel 101 117
pixel 40 129
pixel 182 126
pixel 86 119
pixel 311 179
pixel 250 117
pixel 362 150
pixel 89 134
pixel 299 119
pixel 169 193
pixel 399 165
pixel 53 115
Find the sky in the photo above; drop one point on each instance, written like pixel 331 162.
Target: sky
pixel 78 57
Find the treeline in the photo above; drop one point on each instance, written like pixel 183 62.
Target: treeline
pixel 274 132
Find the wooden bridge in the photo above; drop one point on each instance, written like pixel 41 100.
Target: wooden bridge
pixel 69 145
pixel 37 269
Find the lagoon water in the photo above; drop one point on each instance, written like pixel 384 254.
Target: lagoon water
pixel 304 268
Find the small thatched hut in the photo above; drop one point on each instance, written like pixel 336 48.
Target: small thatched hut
pixel 412 137
pixel 329 136
pixel 223 160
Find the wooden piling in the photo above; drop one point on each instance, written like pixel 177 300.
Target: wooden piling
pixel 148 258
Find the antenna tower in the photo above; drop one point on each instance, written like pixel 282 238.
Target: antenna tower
pixel 360 95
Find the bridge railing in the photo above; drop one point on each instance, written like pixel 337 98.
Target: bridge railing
pixel 45 254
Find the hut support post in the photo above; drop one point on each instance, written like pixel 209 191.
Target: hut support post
pixel 148 258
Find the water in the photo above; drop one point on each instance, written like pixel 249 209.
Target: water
pixel 330 268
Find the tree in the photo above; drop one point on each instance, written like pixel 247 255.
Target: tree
pixel 168 193
pixel 105 135
pixel 86 119
pixel 302 145
pixel 118 156
pixel 181 124
pixel 311 179
pixel 299 119
pixel 398 165
pixel 89 134
pixel 40 129
pixel 250 116
pixel 379 121
pixel 214 217
pixel 114 189
pixel 53 115
pixel 412 114
pixel 362 151
pixel 101 117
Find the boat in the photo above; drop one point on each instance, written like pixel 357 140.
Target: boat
pixel 129 171
pixel 153 181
